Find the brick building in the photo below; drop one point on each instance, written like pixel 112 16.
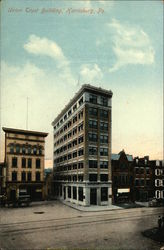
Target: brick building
pixel 143 179
pixel 82 148
pixel 24 161
pixel 122 177
pixel 159 180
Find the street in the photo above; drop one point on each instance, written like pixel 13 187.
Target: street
pixel 54 225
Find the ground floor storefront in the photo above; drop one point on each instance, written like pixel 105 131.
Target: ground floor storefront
pixel 85 194
pixel 35 190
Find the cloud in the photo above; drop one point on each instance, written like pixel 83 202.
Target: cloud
pixel 131 45
pixel 43 46
pixel 90 73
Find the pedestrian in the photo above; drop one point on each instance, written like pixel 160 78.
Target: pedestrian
pixel 159 222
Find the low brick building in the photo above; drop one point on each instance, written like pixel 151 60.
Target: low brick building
pixel 122 177
pixel 143 179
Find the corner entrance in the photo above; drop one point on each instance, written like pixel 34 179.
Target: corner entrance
pixel 93 196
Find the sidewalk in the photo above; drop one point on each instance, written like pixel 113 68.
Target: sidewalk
pixel 91 208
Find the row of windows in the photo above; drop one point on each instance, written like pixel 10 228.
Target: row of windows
pixel 26 163
pixel 94 164
pixel 159 172
pixel 69 156
pixel 71 166
pixel 92 177
pixel 142 170
pixel 69 145
pixel 76 118
pixel 69 113
pixel 93 137
pixel 142 182
pixel 159 194
pixel 122 180
pixel 94 112
pixel 69 134
pixel 25 149
pixel 94 125
pixel 94 99
pixel 25 176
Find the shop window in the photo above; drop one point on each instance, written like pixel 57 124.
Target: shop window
pixel 104 194
pixel 74 193
pixel 80 194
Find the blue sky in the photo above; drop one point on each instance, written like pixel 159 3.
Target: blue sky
pixel 116 45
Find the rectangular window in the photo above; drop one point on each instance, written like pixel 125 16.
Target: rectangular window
pixel 104 194
pixel 11 148
pixel 14 162
pixel 93 111
pixel 104 101
pixel 103 177
pixel 93 177
pixel 17 149
pixel 103 113
pixel 69 192
pixel 80 165
pixel 74 193
pixel 103 151
pixel 92 164
pixel 93 124
pixel 80 127
pixel 14 176
pixel 92 151
pixel 29 163
pixel 37 176
pixel 93 98
pixel 37 163
pixel 23 162
pixel 75 119
pixel 104 126
pixel 81 152
pixel 81 101
pixel 80 194
pixel 74 154
pixel 23 176
pixel 103 138
pixel 23 150
pixel 80 139
pixel 29 176
pixel 92 137
pixel 104 164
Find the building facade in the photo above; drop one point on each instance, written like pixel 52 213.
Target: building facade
pixel 143 179
pixel 24 161
pixel 2 178
pixel 82 148
pixel 159 180
pixel 122 177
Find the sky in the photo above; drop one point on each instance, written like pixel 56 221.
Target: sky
pixel 50 48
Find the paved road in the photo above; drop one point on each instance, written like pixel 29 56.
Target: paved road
pixel 55 225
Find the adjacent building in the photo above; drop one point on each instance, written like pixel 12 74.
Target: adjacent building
pixel 2 178
pixel 159 180
pixel 122 177
pixel 24 161
pixel 143 179
pixel 82 148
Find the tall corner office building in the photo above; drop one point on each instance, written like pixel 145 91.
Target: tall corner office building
pixel 82 148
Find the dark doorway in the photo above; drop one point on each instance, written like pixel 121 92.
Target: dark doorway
pixel 13 195
pixel 93 196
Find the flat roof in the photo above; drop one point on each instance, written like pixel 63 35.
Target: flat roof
pixel 85 87
pixel 25 132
